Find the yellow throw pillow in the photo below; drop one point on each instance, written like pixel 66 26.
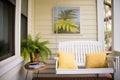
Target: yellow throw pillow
pixel 96 60
pixel 67 61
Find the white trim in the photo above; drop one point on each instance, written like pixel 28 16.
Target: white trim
pixel 85 71
pixel 29 16
pixel 116 32
pixel 116 25
pixel 17 27
pixel 11 62
pixel 100 20
pixel 10 65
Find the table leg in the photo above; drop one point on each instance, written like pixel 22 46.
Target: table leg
pixel 26 75
pixel 37 75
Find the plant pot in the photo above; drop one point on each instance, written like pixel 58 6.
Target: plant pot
pixel 35 59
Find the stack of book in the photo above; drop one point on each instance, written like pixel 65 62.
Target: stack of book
pixel 36 65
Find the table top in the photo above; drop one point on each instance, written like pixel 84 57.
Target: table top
pixel 39 68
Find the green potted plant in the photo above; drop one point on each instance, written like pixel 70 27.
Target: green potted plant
pixel 33 49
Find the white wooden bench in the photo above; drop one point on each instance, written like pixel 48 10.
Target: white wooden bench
pixel 80 48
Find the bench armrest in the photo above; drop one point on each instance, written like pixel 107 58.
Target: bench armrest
pixel 56 62
pixel 56 58
pixel 110 61
pixel 113 61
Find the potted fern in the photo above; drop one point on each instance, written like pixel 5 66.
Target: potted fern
pixel 33 49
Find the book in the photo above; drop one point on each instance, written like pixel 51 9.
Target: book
pixel 37 65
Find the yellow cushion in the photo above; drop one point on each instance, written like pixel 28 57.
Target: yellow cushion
pixel 96 60
pixel 67 61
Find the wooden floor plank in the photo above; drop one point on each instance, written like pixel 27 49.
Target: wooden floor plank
pixel 72 78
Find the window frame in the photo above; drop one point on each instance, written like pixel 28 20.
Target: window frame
pixel 11 62
pixel 100 20
pixel 9 28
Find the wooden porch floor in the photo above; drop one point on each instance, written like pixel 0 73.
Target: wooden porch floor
pixel 73 78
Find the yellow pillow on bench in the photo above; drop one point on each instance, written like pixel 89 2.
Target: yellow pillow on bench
pixel 96 60
pixel 67 61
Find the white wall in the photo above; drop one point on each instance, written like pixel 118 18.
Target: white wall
pixel 41 21
pixel 15 73
pixel 116 24
pixel 116 29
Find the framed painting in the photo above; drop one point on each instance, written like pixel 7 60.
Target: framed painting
pixel 66 20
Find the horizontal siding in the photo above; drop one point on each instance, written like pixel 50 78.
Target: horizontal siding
pixel 42 22
pixel 83 31
pixel 47 27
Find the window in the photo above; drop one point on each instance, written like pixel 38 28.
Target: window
pixel 23 27
pixel 7 29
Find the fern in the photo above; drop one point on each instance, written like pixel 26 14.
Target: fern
pixel 65 25
pixel 31 46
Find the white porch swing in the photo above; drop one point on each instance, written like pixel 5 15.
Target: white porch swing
pixel 80 48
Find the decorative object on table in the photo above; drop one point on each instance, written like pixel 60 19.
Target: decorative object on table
pixel 33 49
pixel 36 65
pixel 67 20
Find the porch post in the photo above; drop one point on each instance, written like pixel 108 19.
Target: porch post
pixel 100 20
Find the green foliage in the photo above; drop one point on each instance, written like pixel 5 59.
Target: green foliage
pixel 67 14
pixel 65 23
pixel 30 46
pixel 109 1
pixel 65 26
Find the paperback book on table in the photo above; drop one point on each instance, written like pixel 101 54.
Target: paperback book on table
pixel 36 65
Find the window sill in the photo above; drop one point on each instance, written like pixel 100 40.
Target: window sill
pixel 8 64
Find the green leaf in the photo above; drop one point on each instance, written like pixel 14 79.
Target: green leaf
pixel 31 46
pixel 66 25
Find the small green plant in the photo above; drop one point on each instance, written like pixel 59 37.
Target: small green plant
pixel 65 26
pixel 30 47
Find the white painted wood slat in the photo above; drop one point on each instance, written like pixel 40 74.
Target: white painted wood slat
pixel 80 48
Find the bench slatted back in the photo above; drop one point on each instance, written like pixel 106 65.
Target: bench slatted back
pixel 80 48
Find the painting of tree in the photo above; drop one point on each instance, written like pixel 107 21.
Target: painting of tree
pixel 67 20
